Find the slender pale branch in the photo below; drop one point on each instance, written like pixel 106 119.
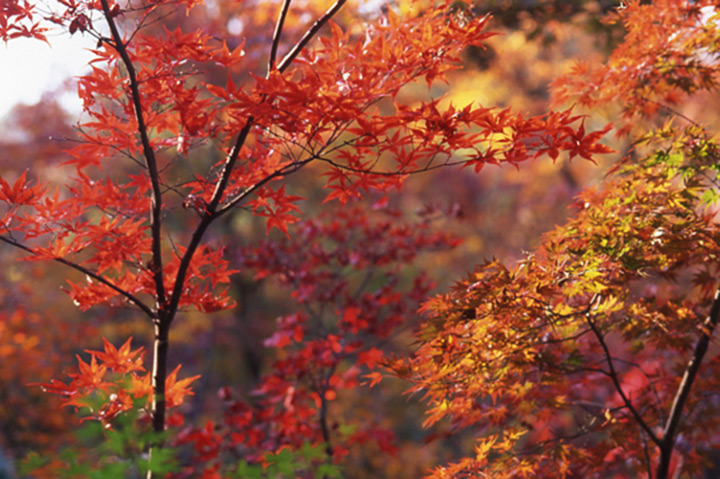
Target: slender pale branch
pixel 423 169
pixel 129 296
pixel 149 154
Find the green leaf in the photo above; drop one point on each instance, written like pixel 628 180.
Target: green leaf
pixel 161 461
pixel 710 196
pixel 248 471
pixel 30 463
pixel 115 470
pixel 328 470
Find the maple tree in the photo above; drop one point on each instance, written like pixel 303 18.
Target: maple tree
pixel 591 358
pixel 184 129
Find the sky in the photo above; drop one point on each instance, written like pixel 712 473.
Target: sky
pixel 28 68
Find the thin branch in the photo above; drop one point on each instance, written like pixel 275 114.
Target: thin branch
pixel 129 296
pixel 672 111
pixel 212 212
pixel 148 152
pixel 287 169
pixel 424 169
pixel 683 392
pixel 209 215
pixel 322 389
pixel 309 34
pixel 276 34
pixel 651 383
pixel 616 382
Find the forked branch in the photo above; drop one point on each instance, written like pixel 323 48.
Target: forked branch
pixel 309 34
pixel 616 382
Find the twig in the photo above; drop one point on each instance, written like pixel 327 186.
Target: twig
pixel 616 382
pixel 130 297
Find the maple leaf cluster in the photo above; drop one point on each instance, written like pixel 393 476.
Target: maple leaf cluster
pixel 18 20
pixel 145 107
pixel 580 361
pixel 346 278
pixel 561 359
pixel 114 382
pixel 669 52
pixel 565 365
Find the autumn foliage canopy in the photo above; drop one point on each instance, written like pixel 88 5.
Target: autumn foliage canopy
pixel 591 356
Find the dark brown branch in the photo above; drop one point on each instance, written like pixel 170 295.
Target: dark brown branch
pixel 148 152
pixel 209 215
pixel 424 169
pixel 276 34
pixel 285 170
pixel 323 412
pixel 686 384
pixel 309 34
pixel 616 382
pixel 129 296
pixel 167 309
pixel 161 319
pixel 212 210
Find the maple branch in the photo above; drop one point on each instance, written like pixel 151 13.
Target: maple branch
pixel 672 111
pixel 208 216
pixel 276 35
pixel 671 427
pixel 163 317
pixel 129 296
pixel 616 382
pixel 323 412
pixel 424 169
pixel 651 383
pixel 285 170
pixel 148 152
pixel 169 309
pixel 309 34
pixel 212 212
